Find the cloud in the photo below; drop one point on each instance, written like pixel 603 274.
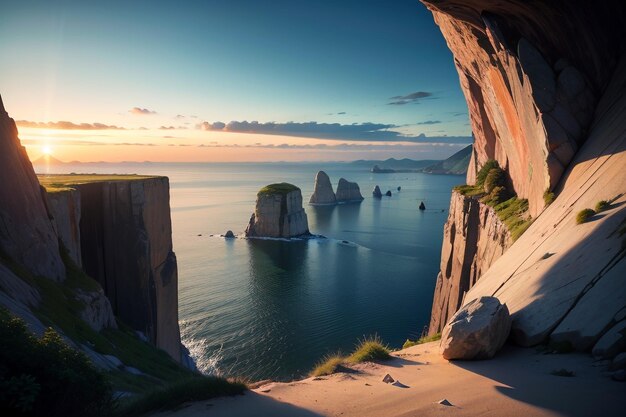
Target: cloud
pixel 457 114
pixel 141 111
pixel 65 125
pixel 410 98
pixel 167 128
pixel 429 122
pixel 338 147
pixel 375 132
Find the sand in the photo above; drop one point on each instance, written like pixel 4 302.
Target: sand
pixel 518 382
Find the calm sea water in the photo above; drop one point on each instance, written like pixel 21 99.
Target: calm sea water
pixel 271 309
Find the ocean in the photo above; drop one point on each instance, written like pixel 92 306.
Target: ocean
pixel 270 309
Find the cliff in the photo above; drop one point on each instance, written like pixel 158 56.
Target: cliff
pixel 26 234
pixel 348 192
pixel 473 239
pixel 124 234
pixel 278 213
pixel 454 165
pixel 545 85
pixel 323 193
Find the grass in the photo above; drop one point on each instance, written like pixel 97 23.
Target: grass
pixel 602 205
pixel 584 215
pixel 548 197
pixel 469 190
pixel 482 174
pixel 562 372
pixel 198 388
pixel 369 349
pixel 421 340
pixel 282 188
pixel 57 183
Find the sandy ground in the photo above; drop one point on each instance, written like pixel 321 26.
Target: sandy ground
pixel 518 382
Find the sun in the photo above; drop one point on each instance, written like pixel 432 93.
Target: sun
pixel 47 150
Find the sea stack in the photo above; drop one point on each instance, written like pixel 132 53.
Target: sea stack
pixel 323 193
pixel 278 213
pixel 376 193
pixel 422 206
pixel 348 192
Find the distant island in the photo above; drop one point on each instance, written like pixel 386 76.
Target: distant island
pixel 455 165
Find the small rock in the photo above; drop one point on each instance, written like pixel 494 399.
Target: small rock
pixel 399 188
pixel 376 193
pixel 619 375
pixel 399 385
pixel 199 234
pixel 388 193
pixel 266 390
pixel 445 402
pixel 388 379
pixel 422 206
pixel 229 235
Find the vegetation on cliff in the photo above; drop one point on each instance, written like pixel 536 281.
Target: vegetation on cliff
pixel 56 183
pixel 421 340
pixel 282 188
pixel 491 188
pixel 584 215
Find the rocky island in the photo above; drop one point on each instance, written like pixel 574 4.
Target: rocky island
pixel 278 213
pixel 323 194
pixel 348 192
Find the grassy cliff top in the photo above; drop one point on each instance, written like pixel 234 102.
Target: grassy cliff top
pixel 282 188
pixel 65 182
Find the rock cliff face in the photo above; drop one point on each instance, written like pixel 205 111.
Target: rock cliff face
pixel 532 73
pixel 323 193
pixel 64 207
pixel 348 191
pixel 126 245
pixel 545 83
pixel 26 233
pixel 278 213
pixel 473 238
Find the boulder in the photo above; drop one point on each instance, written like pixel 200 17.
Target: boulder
pixel 278 213
pixel 348 191
pixel 399 188
pixel 323 193
pixel 388 193
pixel 612 342
pixel 477 331
pixel 376 193
pixel 229 235
pixel 422 206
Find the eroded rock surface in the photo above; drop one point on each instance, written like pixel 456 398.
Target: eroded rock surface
pixel 64 206
pixel 278 213
pixel 476 331
pixel 348 191
pixel 323 193
pixel 26 233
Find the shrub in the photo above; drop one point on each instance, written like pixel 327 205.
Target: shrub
pixel 484 171
pixel 495 178
pixel 198 388
pixel 548 197
pixel 584 215
pixel 45 377
pixel 495 197
pixel 602 205
pixel 369 349
pixel 421 340
pixel 328 365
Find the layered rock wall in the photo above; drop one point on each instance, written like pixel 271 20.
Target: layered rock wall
pixel 26 233
pixel 278 215
pixel 473 238
pixel 126 245
pixel 64 207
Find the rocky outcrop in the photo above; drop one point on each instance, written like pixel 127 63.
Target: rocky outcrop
pixel 323 193
pixel 476 331
pixel 126 245
pixel 348 192
pixel 473 239
pixel 64 207
pixel 97 312
pixel 376 193
pixel 278 213
pixel 532 72
pixel 26 233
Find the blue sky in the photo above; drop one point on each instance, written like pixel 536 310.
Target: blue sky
pixel 329 62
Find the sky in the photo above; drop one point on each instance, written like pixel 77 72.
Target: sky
pixel 236 80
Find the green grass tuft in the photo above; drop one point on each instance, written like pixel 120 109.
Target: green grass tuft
pixel 602 205
pixel 328 365
pixel 421 340
pixel 369 349
pixel 197 388
pixel 484 171
pixel 584 215
pixel 548 197
pixel 282 188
